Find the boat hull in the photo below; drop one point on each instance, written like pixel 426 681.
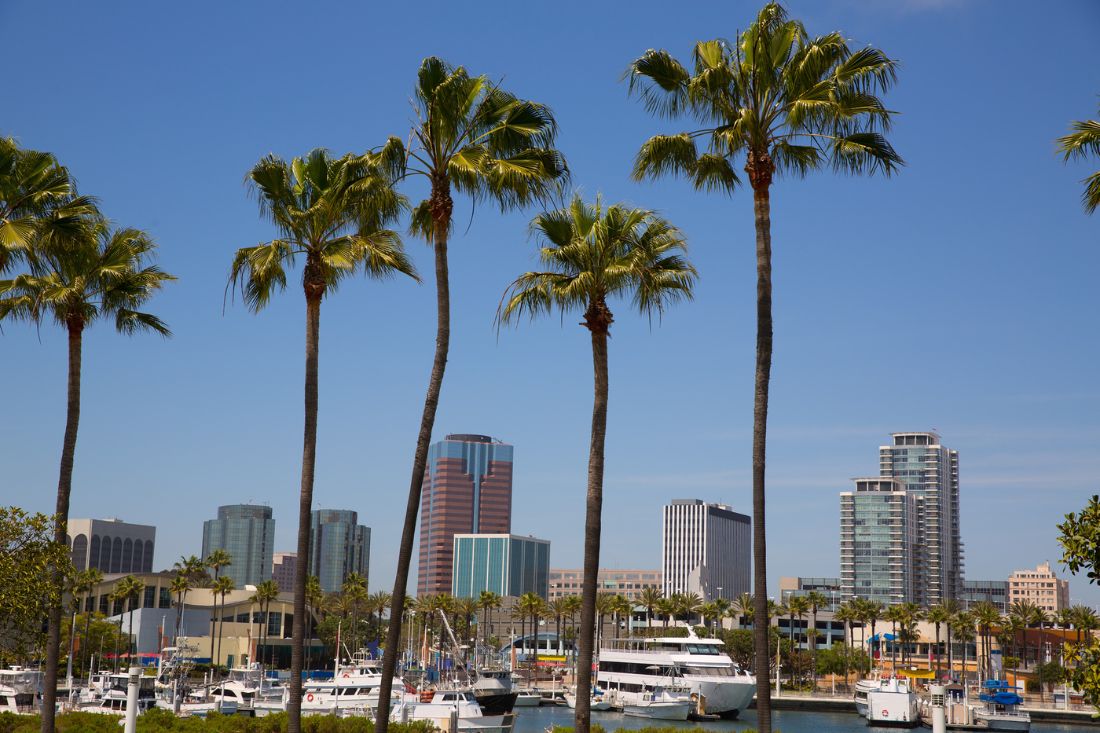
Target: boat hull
pixel 496 703
pixel 1003 722
pixel 893 708
pixel 659 710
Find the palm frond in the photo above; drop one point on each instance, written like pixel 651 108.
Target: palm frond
pixel 661 82
pixel 666 154
pixel 864 152
pixel 1091 196
pixel 1084 141
pixel 259 272
pixel 130 322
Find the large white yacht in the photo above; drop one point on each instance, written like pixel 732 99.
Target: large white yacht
pixel 20 690
pixel 893 701
pixel 699 665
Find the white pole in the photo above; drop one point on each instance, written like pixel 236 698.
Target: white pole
pixel 939 714
pixel 69 666
pixel 132 700
pixel 777 665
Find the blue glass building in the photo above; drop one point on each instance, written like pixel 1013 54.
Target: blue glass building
pixel 505 564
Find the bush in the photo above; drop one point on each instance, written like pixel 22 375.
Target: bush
pixel 159 721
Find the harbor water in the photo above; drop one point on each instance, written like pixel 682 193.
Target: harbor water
pixel 537 720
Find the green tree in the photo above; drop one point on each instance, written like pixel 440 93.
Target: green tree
pixel 649 598
pixel 531 605
pixel 472 137
pixel 334 213
pixel 28 557
pixel 986 616
pixel 665 608
pixel 746 607
pixel 130 590
pixel 790 104
pixel 938 615
pixel 594 253
pixel 1080 540
pixel 797 607
pixel 961 627
pixel 1083 142
pixel 222 587
pixel 817 601
pixel 84 582
pixel 266 592
pixel 314 599
pixel 77 274
pixel 216 560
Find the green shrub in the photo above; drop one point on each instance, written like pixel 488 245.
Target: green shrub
pixel 161 721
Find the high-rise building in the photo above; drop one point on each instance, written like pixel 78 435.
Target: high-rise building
pixel 247 533
pixel 111 545
pixel 1040 586
pixel 705 549
pixel 878 541
pixel 627 583
pixel 467 490
pixel 506 564
pixel 930 472
pixel 284 569
pixel 338 547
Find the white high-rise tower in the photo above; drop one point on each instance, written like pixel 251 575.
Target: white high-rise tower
pixel 705 549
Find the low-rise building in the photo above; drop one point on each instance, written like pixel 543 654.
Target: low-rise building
pixel 628 583
pixel 1039 586
pixel 985 591
pixel 800 586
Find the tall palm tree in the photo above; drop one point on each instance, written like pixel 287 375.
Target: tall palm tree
pixel 180 586
pixel 37 198
pixel 986 616
pixel 665 607
pixel 962 628
pixel 531 605
pixel 315 598
pixel 83 585
pixel 1083 142
pixel 605 606
pixel 354 590
pixel 478 139
pixel 817 601
pixel 952 607
pixel 222 587
pixel 937 615
pixel 593 253
pixel 559 608
pixel 130 590
pixel 690 603
pixel 266 592
pixel 791 104
pixel 76 275
pixel 910 615
pixel 334 213
pixel 797 607
pixel 847 614
pixel 746 606
pixel 649 598
pixel 218 559
pixel 894 614
pixel 487 602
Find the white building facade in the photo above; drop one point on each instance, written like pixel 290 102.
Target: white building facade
pixel 705 549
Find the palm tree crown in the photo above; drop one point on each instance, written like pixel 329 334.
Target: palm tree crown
pixel 593 253
pixel 1083 142
pixel 333 211
pixel 788 102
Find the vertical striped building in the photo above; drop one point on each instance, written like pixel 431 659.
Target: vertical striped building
pixel 467 490
pixel 507 565
pixel 111 545
pixel 705 549
pixel 338 547
pixel 879 548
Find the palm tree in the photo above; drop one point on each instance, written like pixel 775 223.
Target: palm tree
pixel 335 213
pixel 217 559
pixel 745 606
pixel 938 615
pixel 179 587
pixel 665 607
pixel 605 605
pixel 961 626
pixel 797 607
pixel 623 608
pixel 222 587
pixel 894 614
pixel 531 604
pixel 488 601
pixel 75 276
pixel 380 601
pixel 870 613
pixel 816 600
pixel 478 139
pixel 847 614
pixel 690 603
pixel 354 591
pixel 315 598
pixel 986 616
pixel 266 592
pixel 649 598
pixel 594 253
pixel 130 590
pixel 83 585
pixel 1083 142
pixel 37 198
pixel 952 607
pixel 910 615
pixel 559 608
pixel 791 104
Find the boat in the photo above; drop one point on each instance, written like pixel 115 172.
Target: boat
pixel 451 709
pixel 860 697
pixel 20 690
pixel 1000 708
pixel 528 699
pixel 493 690
pixel 700 665
pixel 893 702
pixel 660 704
pixel 599 701
pixel 354 685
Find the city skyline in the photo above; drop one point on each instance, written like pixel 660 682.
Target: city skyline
pixel 1004 272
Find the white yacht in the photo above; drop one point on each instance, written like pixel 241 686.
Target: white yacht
pixel 660 704
pixel 699 665
pixel 20 690
pixel 599 701
pixel 354 686
pixel 440 706
pixel 893 701
pixel 1000 709
pixel 863 687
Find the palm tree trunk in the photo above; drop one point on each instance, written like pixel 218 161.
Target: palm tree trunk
pixel 813 648
pixel 61 519
pixel 760 170
pixel 598 320
pixel 314 288
pixel 441 205
pixel 950 654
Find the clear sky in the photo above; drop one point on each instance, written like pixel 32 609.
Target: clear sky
pixel 960 295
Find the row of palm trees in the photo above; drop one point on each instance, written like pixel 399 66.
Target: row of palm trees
pixel 772 101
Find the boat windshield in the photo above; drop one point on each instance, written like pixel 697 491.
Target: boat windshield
pixel 698 671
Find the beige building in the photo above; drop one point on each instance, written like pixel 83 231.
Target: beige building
pixel 629 583
pixel 1040 586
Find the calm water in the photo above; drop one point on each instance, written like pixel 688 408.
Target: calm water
pixel 536 720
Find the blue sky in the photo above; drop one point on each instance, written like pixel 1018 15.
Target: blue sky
pixel 959 295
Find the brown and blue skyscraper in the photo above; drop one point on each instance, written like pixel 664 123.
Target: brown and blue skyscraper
pixel 467 490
